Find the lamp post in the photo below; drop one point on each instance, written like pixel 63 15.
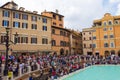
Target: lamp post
pixel 7 49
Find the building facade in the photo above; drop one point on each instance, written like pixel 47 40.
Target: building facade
pixel 106 35
pixel 60 36
pixel 33 29
pixel 76 42
pixel 87 41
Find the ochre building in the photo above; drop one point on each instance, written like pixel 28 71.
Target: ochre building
pixel 60 36
pixel 106 35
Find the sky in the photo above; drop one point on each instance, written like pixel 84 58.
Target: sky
pixel 78 14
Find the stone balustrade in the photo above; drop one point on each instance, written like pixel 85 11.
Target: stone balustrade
pixel 24 73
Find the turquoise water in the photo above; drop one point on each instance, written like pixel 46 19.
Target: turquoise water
pixel 97 73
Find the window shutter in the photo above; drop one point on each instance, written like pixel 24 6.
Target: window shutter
pixel 8 14
pixel 13 24
pixel 19 24
pixel 3 23
pixel 18 39
pixel 21 39
pixel 7 23
pixel 26 39
pixel 22 25
pixel 3 13
pixel 36 41
pixel 36 26
pixel 19 16
pixel 26 25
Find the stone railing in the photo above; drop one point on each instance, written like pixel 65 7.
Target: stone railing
pixel 24 73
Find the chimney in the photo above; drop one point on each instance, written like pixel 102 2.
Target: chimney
pixel 21 8
pixel 35 12
pixel 57 11
pixel 45 10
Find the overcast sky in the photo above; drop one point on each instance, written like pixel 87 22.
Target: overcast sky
pixel 78 14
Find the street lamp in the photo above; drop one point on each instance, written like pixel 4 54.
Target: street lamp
pixel 7 49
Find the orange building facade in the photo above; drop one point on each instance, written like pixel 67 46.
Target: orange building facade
pixel 106 35
pixel 60 36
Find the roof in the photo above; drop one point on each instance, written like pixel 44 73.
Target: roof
pixel 61 28
pixel 52 13
pixel 12 2
pixel 24 12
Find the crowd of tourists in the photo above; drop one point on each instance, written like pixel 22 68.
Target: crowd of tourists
pixel 58 65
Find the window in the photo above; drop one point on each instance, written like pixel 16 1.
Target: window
pixel 34 18
pixel 5 23
pixel 89 38
pixel 94 46
pixel 2 38
pixel 110 22
pixel 34 26
pixel 60 18
pixel 90 45
pixel 16 15
pixel 54 23
pixel 105 36
pixel 84 38
pixel 24 25
pixel 24 16
pixel 53 31
pixel 16 24
pixel 16 39
pixel 61 43
pixel 44 28
pixel 60 24
pixel 24 39
pixel 53 43
pixel 6 13
pixel 54 16
pixel 44 41
pixel 61 33
pixel 105 44
pixel 111 28
pixel 104 29
pixel 111 36
pixel 105 23
pixel 34 40
pixel 84 45
pixel 64 43
pixel 112 44
pixel 94 37
pixel 116 22
pixel 64 33
pixel 44 20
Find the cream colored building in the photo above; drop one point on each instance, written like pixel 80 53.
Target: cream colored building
pixel 33 29
pixel 87 41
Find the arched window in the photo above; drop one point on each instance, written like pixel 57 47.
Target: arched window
pixel 116 22
pixel 110 22
pixel 105 23
pixel 106 45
